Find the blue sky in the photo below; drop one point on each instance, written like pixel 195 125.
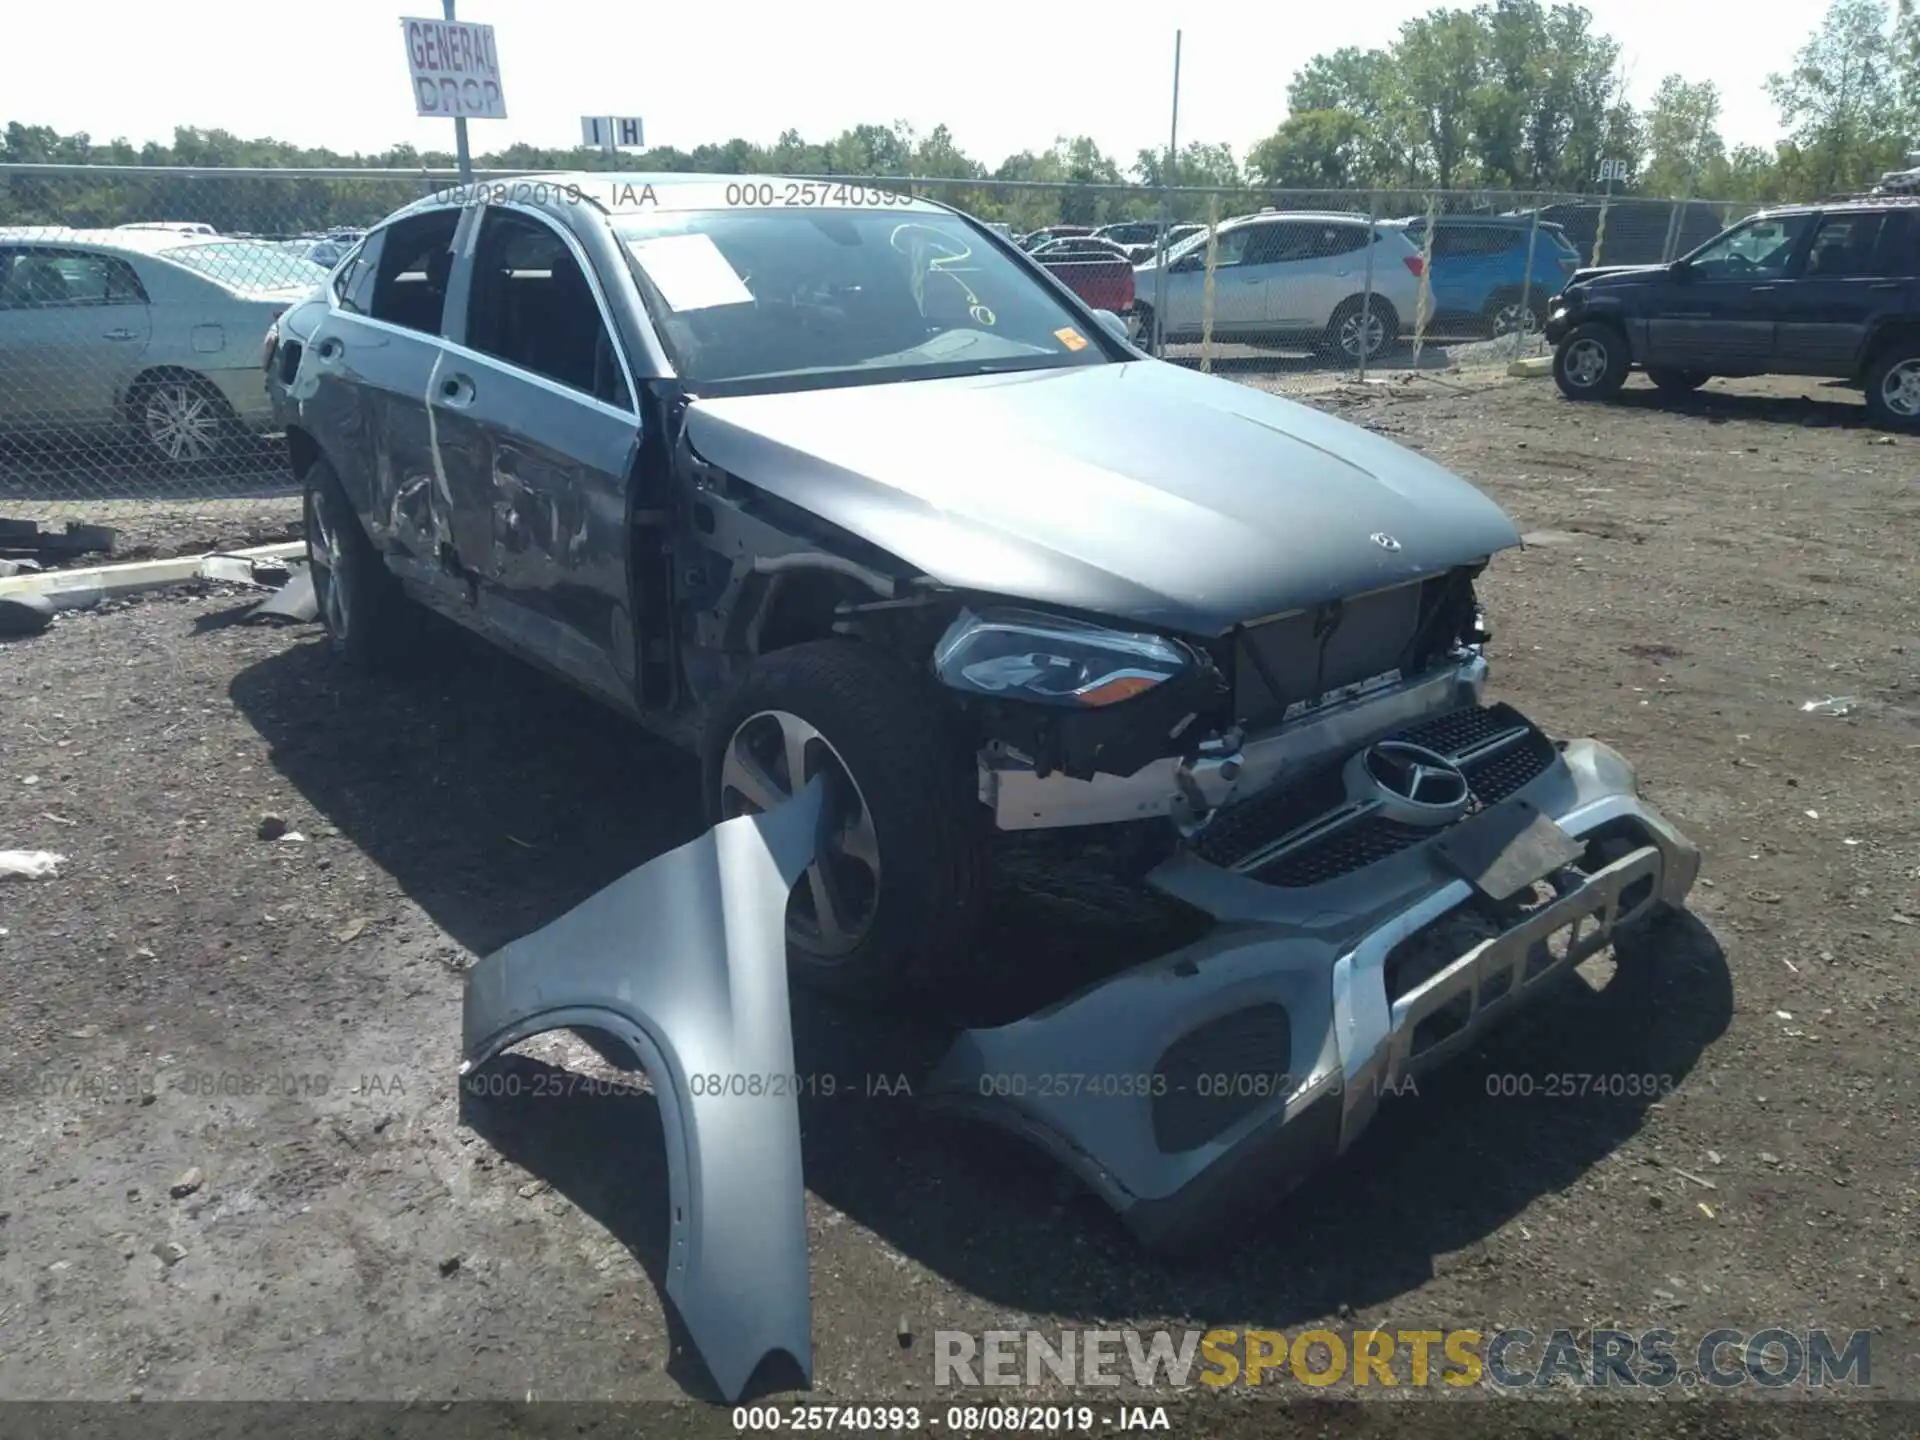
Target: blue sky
pixel 1003 76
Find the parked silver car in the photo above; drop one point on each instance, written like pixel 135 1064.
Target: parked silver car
pixel 154 330
pixel 1288 275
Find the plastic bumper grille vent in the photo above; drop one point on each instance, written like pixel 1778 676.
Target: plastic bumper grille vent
pixel 1218 1074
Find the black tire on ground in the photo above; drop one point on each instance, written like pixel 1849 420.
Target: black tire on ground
pixel 183 418
pixel 1893 387
pixel 367 617
pixel 1677 382
pixel 905 918
pixel 1383 321
pixel 1591 363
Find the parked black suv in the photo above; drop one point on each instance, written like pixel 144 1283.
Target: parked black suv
pixel 1801 290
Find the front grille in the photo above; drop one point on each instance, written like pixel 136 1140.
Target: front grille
pixel 1239 830
pixel 1353 847
pixel 1496 747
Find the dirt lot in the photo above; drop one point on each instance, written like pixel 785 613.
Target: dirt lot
pixel 356 1231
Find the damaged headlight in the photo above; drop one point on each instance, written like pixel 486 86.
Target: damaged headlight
pixel 1023 655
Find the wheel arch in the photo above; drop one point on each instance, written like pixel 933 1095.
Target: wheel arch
pixel 1886 335
pixel 303 452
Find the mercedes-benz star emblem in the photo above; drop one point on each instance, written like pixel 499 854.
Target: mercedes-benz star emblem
pixel 1384 540
pixel 1411 783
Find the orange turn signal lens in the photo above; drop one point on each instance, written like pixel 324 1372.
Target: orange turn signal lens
pixel 1120 687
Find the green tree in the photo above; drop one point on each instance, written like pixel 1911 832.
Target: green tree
pixel 1440 60
pixel 1686 155
pixel 1312 150
pixel 1840 103
pixel 1365 85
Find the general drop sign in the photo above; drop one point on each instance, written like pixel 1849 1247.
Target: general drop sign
pixel 456 70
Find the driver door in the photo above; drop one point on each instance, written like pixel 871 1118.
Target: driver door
pixel 1722 313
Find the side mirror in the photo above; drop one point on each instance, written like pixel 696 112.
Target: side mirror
pixel 1678 270
pixel 1185 265
pixel 1115 326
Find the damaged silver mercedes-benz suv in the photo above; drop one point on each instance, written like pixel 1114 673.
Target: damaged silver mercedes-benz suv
pixel 834 484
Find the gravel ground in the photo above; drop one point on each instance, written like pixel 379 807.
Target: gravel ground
pixel 270 1026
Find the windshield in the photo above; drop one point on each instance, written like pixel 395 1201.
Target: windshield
pixel 241 265
pixel 753 295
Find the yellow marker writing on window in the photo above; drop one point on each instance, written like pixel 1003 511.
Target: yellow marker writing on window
pixel 1070 337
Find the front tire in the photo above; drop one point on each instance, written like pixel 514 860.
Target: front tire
pixel 1893 388
pixel 1591 363
pixel 897 884
pixel 365 613
pixel 1676 383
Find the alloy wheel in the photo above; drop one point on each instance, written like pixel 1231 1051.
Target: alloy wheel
pixel 1515 316
pixel 1586 363
pixel 1900 390
pixel 183 421
pixel 1353 326
pixel 326 555
pixel 772 756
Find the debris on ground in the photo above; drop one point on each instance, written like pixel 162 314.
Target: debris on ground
pixel 294 600
pixel 245 570
pixel 189 1181
pixel 1835 705
pixel 271 826
pixel 24 539
pixel 24 614
pixel 29 864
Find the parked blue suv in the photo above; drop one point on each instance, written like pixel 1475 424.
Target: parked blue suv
pixel 1479 271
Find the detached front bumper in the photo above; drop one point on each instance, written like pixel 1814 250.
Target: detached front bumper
pixel 1341 967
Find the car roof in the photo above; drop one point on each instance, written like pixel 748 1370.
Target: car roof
pixel 1312 217
pixel 622 193
pixel 132 242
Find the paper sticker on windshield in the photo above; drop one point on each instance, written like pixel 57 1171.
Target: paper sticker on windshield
pixel 690 272
pixel 1070 337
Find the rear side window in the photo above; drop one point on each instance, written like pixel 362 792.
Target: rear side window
pixel 1328 241
pixel 410 278
pixel 1462 240
pixel 1846 246
pixel 1900 246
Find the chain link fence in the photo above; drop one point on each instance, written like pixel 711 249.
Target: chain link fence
pixel 134 303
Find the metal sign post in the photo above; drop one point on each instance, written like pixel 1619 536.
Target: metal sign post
pixel 456 75
pixel 461 152
pixel 1166 179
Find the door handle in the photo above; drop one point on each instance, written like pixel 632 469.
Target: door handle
pixel 456 390
pixel 1763 289
pixel 1888 285
pixel 122 334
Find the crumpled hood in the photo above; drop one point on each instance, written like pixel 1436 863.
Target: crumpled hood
pixel 1142 490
